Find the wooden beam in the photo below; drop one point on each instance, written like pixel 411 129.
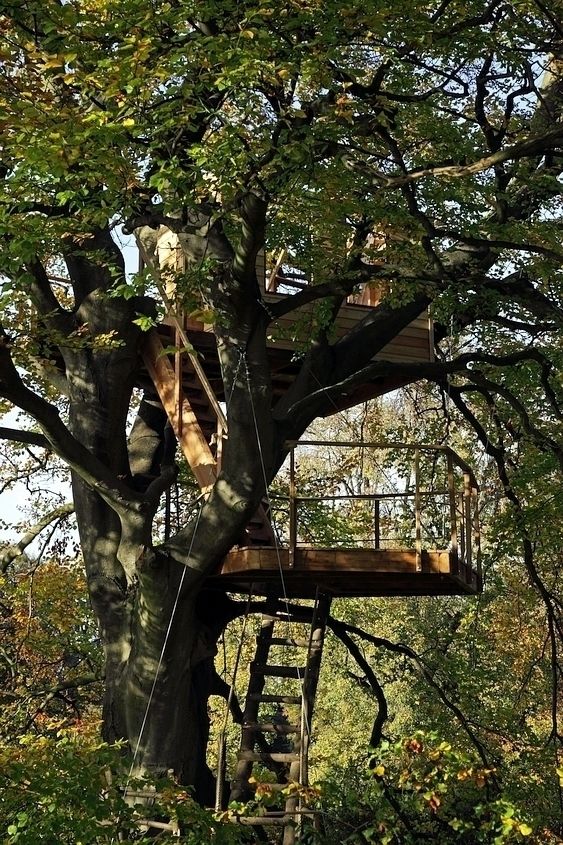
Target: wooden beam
pixel 182 417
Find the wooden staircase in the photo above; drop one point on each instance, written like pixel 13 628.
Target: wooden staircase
pixel 284 674
pixel 190 401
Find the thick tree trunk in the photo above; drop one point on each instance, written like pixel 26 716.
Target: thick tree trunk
pixel 159 642
pixel 159 651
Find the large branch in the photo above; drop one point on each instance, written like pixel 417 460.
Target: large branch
pixel 253 226
pixel 33 438
pixel 382 709
pixel 120 497
pixel 15 550
pixel 45 300
pixel 547 142
pixel 438 371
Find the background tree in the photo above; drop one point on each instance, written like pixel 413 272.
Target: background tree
pixel 324 128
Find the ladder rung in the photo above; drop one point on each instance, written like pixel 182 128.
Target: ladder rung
pixel 258 821
pixel 297 672
pixel 271 727
pixel 272 699
pixel 290 641
pixel 269 757
pixel 300 615
pixel 279 787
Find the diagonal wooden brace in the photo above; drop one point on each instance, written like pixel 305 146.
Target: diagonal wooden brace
pixel 181 415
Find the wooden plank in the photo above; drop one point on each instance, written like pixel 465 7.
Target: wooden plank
pixel 188 431
pixel 334 560
pixel 417 328
pixel 402 348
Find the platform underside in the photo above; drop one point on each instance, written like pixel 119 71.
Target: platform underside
pixel 344 572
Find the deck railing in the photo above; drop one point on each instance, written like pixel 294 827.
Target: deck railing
pixel 390 496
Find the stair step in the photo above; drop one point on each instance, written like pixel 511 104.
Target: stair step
pixel 271 727
pixel 204 416
pixel 272 817
pixel 297 672
pixel 279 787
pixel 268 757
pixel 273 699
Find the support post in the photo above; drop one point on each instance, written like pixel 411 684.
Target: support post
pixel 292 510
pixel 417 519
pixel 477 536
pixel 376 525
pixel 468 524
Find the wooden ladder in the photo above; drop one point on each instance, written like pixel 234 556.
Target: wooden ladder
pixel 271 680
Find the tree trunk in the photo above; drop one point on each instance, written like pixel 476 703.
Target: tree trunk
pixel 159 639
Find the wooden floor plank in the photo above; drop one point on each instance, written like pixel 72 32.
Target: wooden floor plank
pixel 345 572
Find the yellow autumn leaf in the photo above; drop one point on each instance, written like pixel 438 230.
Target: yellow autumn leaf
pixel 524 829
pixel 56 61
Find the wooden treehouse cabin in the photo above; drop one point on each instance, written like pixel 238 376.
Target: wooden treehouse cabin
pixel 404 523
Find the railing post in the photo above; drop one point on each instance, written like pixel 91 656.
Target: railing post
pixel 461 527
pixel 376 525
pixel 292 509
pixel 468 525
pixel 417 519
pixel 454 553
pixel 477 536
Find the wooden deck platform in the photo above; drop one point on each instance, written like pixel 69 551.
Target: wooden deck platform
pixel 345 572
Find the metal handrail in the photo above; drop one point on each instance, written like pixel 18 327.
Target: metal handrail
pixel 385 444
pixel 463 543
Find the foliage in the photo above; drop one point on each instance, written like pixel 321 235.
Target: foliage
pixel 66 786
pixel 51 661
pixel 420 789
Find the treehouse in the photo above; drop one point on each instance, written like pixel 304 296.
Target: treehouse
pixel 417 536
pixel 401 520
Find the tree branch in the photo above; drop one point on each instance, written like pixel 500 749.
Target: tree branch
pixel 382 708
pixel 33 438
pixel 343 627
pixel 120 497
pixel 15 550
pixel 549 141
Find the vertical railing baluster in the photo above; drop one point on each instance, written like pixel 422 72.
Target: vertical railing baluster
pixel 468 526
pixel 417 518
pixel 376 526
pixel 292 509
pixel 454 552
